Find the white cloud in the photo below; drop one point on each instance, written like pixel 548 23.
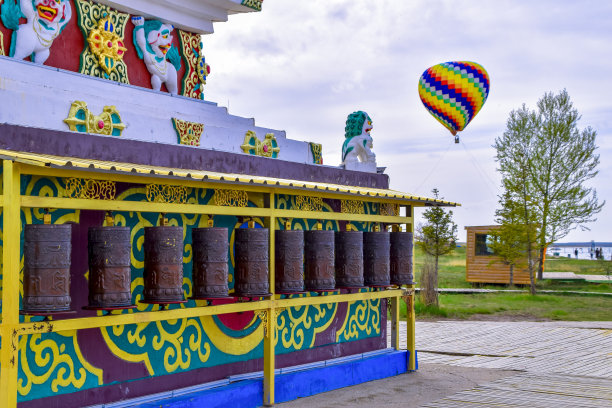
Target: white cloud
pixel 303 66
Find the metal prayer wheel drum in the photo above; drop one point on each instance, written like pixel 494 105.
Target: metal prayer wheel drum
pixel 349 259
pixel 319 260
pixel 401 258
pixel 110 277
pixel 251 274
pixel 163 264
pixel 376 249
pixel 289 261
pixel 210 270
pixel 46 275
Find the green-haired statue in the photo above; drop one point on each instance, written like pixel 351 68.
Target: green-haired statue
pixel 153 43
pixel 357 148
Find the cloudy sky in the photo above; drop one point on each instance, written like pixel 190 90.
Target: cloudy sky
pixel 302 66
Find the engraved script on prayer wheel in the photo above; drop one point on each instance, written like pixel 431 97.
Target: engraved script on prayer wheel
pixel 349 259
pixel 401 258
pixel 376 248
pixel 251 274
pixel 319 260
pixel 163 264
pixel 110 277
pixel 210 269
pixel 289 261
pixel 46 274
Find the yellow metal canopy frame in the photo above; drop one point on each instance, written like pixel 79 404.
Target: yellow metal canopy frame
pixel 12 201
pixel 74 163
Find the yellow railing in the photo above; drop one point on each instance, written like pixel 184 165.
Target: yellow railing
pixel 12 201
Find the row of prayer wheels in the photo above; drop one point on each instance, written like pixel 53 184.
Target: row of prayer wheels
pixel 305 260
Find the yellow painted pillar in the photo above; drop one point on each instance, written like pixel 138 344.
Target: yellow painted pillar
pixel 410 327
pixel 11 227
pixel 395 322
pixel 270 321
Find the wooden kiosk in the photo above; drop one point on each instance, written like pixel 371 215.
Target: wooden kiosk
pixel 482 265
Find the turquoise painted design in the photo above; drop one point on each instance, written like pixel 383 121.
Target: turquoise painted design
pixel 52 364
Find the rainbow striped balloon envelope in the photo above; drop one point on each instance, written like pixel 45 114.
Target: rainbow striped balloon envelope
pixel 454 92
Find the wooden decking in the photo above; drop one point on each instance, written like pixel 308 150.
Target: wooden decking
pixel 534 391
pixel 559 364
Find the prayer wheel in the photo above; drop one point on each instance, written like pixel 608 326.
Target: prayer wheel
pixel 163 264
pixel 376 248
pixel 401 258
pixel 289 261
pixel 46 274
pixel 319 260
pixel 349 259
pixel 210 270
pixel 251 274
pixel 110 277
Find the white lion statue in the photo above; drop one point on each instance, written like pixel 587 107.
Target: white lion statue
pixel 46 19
pixel 357 151
pixel 153 43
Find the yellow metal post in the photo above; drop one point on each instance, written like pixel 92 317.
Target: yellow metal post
pixel 9 355
pixel 410 315
pixel 410 335
pixel 395 322
pixel 270 322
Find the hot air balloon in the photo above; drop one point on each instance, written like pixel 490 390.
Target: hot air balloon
pixel 454 92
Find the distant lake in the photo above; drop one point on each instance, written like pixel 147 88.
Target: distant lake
pixel 585 249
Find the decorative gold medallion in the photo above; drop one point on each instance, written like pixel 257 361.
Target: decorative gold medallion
pixel 81 120
pixel 104 31
pixel 189 133
pixel 252 145
pixel 106 45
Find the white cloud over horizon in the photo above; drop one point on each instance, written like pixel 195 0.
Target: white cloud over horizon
pixel 304 66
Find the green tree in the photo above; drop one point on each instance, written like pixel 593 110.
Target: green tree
pixel 509 241
pixel 546 163
pixel 437 237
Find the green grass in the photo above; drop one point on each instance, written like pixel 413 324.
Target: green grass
pixel 518 306
pixel 451 273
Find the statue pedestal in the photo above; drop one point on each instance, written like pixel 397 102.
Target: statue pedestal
pixel 368 167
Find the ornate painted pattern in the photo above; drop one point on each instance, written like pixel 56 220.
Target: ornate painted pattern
pixel 189 133
pixel 231 198
pixel 362 318
pixel 90 189
pixel 266 148
pixel 52 364
pixel 390 209
pixel 254 4
pixel 351 207
pixel 197 69
pixel 167 194
pixel 96 19
pixel 317 152
pixel 80 119
pixel 305 203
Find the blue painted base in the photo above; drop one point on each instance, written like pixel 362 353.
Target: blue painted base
pixel 292 382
